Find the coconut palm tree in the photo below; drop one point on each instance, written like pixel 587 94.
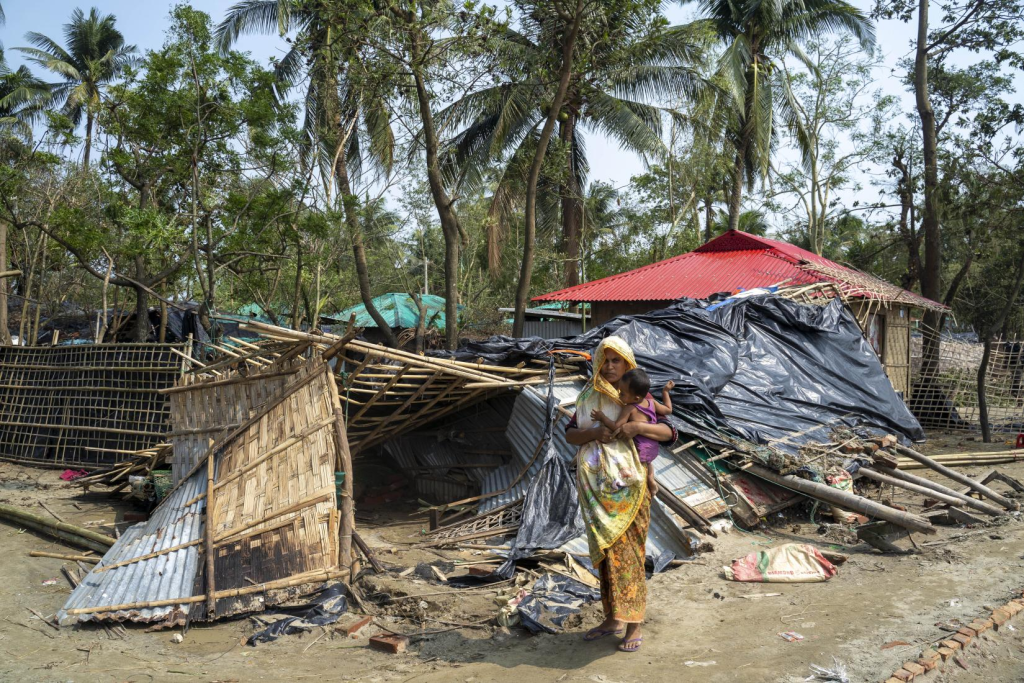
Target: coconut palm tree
pixel 758 35
pixel 632 63
pixel 95 55
pixel 342 106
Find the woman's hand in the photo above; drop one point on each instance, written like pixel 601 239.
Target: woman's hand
pixel 578 437
pixel 658 431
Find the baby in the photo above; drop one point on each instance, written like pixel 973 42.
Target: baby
pixel 640 406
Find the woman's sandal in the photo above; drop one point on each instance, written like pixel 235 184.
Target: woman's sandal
pixel 599 633
pixel 624 646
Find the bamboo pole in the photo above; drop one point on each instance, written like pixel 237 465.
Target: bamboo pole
pixel 11 512
pixel 981 506
pixel 59 556
pixel 73 539
pixel 848 501
pixel 297 580
pixel 952 498
pixel 211 588
pixel 958 477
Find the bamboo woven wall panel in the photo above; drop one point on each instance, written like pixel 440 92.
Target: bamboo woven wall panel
pixel 202 412
pixel 273 504
pixel 83 405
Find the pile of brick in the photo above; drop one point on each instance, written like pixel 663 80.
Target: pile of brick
pixel 949 649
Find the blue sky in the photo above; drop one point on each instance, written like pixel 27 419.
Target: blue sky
pixel 144 21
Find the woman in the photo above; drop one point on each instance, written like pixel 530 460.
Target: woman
pixel 613 494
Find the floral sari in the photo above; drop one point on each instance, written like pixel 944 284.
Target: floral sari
pixel 612 487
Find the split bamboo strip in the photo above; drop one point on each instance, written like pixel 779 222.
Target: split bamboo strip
pixel 237 379
pixel 279 448
pixel 318 497
pixel 148 556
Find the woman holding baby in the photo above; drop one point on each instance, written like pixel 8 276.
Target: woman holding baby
pixel 612 482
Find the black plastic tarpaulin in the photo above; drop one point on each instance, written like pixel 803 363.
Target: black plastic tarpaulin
pixel 770 369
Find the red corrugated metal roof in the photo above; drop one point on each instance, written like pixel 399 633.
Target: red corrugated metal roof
pixel 733 261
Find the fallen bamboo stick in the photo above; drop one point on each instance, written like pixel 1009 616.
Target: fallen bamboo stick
pixel 958 477
pixel 367 553
pixel 62 530
pixel 843 499
pixel 912 465
pixel 951 497
pixel 981 506
pixel 297 580
pixel 70 558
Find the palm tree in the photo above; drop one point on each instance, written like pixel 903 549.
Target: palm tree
pixel 632 62
pixel 341 108
pixel 95 55
pixel 758 35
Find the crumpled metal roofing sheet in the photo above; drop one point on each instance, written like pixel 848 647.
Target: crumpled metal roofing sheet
pixel 168 576
pixel 525 428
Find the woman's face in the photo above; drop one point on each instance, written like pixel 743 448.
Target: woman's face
pixel 614 366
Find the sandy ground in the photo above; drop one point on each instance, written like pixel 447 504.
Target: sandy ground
pixel 700 627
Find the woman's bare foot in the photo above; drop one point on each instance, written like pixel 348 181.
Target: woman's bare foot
pixel 633 639
pixel 608 627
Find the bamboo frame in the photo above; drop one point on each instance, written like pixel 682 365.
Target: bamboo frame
pixel 83 405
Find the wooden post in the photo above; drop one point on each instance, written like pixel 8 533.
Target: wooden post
pixel 348 519
pixel 211 600
pixel 843 499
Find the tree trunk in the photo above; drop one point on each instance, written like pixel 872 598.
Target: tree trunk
pixel 736 191
pixel 141 302
pixel 89 119
pixel 931 281
pixel 355 234
pixel 34 336
pixel 297 293
pixel 444 204
pixel 572 206
pixel 709 216
pixel 526 269
pixel 5 332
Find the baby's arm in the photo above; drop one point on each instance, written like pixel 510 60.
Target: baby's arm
pixel 604 419
pixel 665 407
pixel 629 414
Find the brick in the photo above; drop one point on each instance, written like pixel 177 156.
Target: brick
pixel 980 626
pixel 968 631
pixel 929 654
pixel 903 676
pixel 945 653
pixel 893 680
pixel 1013 607
pixel 352 630
pixel 962 639
pixel 951 644
pixel 390 644
pixel 914 668
pixel 1000 617
pixel 479 570
pixel 929 664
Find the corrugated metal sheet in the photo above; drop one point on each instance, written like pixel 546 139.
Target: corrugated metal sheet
pixel 166 577
pixel 552 329
pixel 526 427
pixel 729 262
pixel 477 436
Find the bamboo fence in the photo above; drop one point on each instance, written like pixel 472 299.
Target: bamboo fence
pixel 84 405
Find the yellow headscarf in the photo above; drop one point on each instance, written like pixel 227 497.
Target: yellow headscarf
pixel 619 346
